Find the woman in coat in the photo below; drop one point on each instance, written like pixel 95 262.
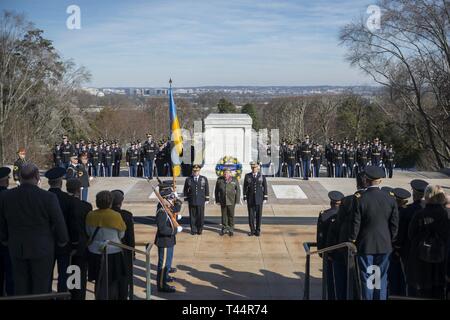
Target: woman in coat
pixel 429 228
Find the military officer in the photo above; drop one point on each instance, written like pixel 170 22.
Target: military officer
pixel 255 194
pixel 140 163
pixel 227 194
pixel 375 153
pixel 108 161
pixel 396 273
pixel 94 161
pixel 132 159
pixel 117 156
pixel 150 150
pixel 290 158
pixel 329 150
pixel 79 170
pixel 18 165
pixel 388 160
pixel 196 192
pixel 306 150
pixel 63 255
pixel 338 160
pixel 374 229
pixel 326 218
pixel 316 159
pixel 350 161
pixel 66 151
pixel 6 275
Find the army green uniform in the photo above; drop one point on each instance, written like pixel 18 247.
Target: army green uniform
pixel 227 194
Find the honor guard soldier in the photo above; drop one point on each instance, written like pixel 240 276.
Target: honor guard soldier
pixel 196 192
pixel 117 152
pixel 150 150
pixel 350 161
pixel 165 238
pixel 94 161
pixel 282 164
pixel 374 229
pixel 79 170
pixel 140 163
pixel 338 160
pixel 389 161
pixel 375 153
pixel 396 273
pixel 63 254
pixel 255 194
pixel 57 161
pixel 18 164
pixel 108 161
pixel 290 158
pixel 6 275
pixel 132 159
pixel 329 150
pixel 66 151
pixel 326 218
pixel 306 150
pixel 316 159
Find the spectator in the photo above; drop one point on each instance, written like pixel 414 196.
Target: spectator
pixel 102 225
pixel 128 239
pixel 31 225
pixel 428 232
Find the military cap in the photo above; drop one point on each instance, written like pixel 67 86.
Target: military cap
pixel 55 173
pixel 374 172
pixel 196 167
pixel 4 172
pixel 401 193
pixel 387 189
pixel 419 185
pixel 74 155
pixel 335 195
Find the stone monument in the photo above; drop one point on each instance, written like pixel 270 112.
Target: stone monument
pixel 227 134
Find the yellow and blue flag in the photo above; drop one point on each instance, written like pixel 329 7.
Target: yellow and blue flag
pixel 176 138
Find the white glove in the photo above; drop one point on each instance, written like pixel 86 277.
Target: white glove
pixel 265 201
pixel 179 228
pixel 179 216
pixel 128 164
pixel 207 202
pixel 91 178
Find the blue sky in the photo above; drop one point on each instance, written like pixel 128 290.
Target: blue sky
pixel 231 42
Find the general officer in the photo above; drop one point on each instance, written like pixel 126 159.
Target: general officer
pixel 196 192
pixel 255 194
pixel 6 275
pixel 150 149
pixel 374 230
pixel 31 225
pixel 326 218
pixel 227 194
pixel 63 255
pixel 18 164
pixel 396 274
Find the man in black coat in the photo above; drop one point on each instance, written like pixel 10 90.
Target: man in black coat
pixel 31 225
pixel 339 232
pixel 196 192
pixel 63 255
pixel 80 256
pixel 326 218
pixel 6 277
pixel 255 193
pixel 374 228
pixel 126 286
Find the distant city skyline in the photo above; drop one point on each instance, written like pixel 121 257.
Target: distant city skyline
pixel 200 43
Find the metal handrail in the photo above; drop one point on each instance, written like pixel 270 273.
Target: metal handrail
pixel 148 266
pixel 351 252
pixel 44 296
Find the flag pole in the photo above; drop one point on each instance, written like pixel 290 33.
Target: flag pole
pixel 174 186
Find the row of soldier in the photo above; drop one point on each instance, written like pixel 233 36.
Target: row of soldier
pixel 402 249
pixel 342 159
pixel 104 158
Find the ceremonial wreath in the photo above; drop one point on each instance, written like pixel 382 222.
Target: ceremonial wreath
pixel 231 163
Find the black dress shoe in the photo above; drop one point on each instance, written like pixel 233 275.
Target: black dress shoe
pixel 193 233
pixel 167 288
pixel 199 232
pixel 230 233
pixel 222 232
pixel 257 234
pixel 173 270
pixel 250 234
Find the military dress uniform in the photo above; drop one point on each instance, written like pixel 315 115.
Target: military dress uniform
pixel 196 192
pixel 326 218
pixel 255 193
pixel 117 152
pixel 316 161
pixel 306 149
pixel 57 161
pixel 290 156
pixel 389 162
pixel 80 172
pixel 132 160
pixel 375 155
pixel 374 229
pixel 329 151
pixel 150 150
pixel 108 162
pixel 66 152
pixel 227 194
pixel 338 160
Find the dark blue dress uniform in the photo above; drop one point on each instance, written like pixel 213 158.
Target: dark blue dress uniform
pixel 306 149
pixel 6 275
pixel 255 193
pixel 375 155
pixel 66 150
pixel 317 161
pixel 108 161
pixel 196 192
pixel 338 160
pixel 132 160
pixel 150 151
pixel 63 254
pixel 374 230
pixel 117 156
pixel 389 157
pixel 325 220
pixel 94 161
pixel 290 157
pixel 329 151
pixel 31 224
pixel 396 273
